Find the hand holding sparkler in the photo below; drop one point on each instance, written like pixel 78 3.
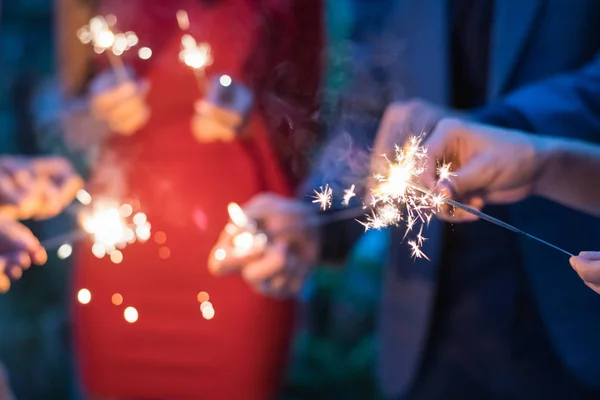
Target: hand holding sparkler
pixel 122 106
pixel 400 121
pixel 19 248
pixel 490 165
pixel 278 264
pixel 587 265
pixel 36 187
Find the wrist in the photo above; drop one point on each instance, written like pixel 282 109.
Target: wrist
pixel 548 152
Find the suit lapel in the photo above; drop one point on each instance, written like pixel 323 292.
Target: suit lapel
pixel 513 20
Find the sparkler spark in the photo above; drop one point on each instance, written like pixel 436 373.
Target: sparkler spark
pixel 111 227
pixel 444 172
pixel 245 235
pixel 348 195
pixel 195 55
pixel 324 197
pixel 100 33
pixel 396 199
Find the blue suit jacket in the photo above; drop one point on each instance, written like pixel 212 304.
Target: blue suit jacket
pixel 543 65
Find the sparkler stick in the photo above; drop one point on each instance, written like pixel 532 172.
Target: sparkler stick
pixel 489 218
pixel 70 237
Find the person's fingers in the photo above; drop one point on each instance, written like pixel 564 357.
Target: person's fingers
pixel 40 256
pixel 476 175
pixel 16 273
pixel 15 236
pixel 9 194
pixel 273 261
pixel 224 259
pixel 207 130
pixel 588 270
pixel 105 101
pixel 17 259
pixel 590 255
pixel 131 115
pixel 4 283
pixel 68 188
pixel 506 196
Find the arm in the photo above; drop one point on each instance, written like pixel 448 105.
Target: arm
pixel 564 105
pixel 495 165
pixel 567 174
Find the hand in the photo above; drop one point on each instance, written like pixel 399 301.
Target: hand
pixel 400 121
pixel 36 187
pixel 121 105
pixel 491 165
pixel 19 248
pixel 213 124
pixel 5 392
pixel 587 265
pixel 280 266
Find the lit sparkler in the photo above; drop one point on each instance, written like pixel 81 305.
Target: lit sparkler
pixel 399 198
pixel 197 56
pixel 100 33
pixel 324 197
pixel 246 235
pixel 110 225
pixel 112 228
pixel 395 199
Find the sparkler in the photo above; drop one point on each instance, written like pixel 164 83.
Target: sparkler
pixel 100 34
pixel 110 225
pixel 197 56
pixel 324 197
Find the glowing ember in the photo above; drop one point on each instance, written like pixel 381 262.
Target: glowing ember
pixel 220 254
pixel 348 195
pixel 444 172
pixel 237 215
pixel 116 257
pixel 130 314
pixel 100 34
pixel 140 219
pixel 83 197
pixel 110 228
pixel 208 313
pixel 225 80
pixel 160 237
pixel 205 305
pixel 117 299
pixel 164 252
pixel 397 198
pixel 202 297
pixel 126 210
pixel 183 20
pixel 243 242
pixel 195 55
pixel 64 251
pixel 324 197
pixel 84 296
pixel 145 53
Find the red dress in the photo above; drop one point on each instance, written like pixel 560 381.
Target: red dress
pixel 172 352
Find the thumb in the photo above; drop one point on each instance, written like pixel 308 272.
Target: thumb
pixel 474 176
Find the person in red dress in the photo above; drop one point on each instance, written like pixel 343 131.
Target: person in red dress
pixel 184 175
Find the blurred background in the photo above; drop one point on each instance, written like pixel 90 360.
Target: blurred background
pixel 334 349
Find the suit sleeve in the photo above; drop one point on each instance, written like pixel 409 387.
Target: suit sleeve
pixel 565 105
